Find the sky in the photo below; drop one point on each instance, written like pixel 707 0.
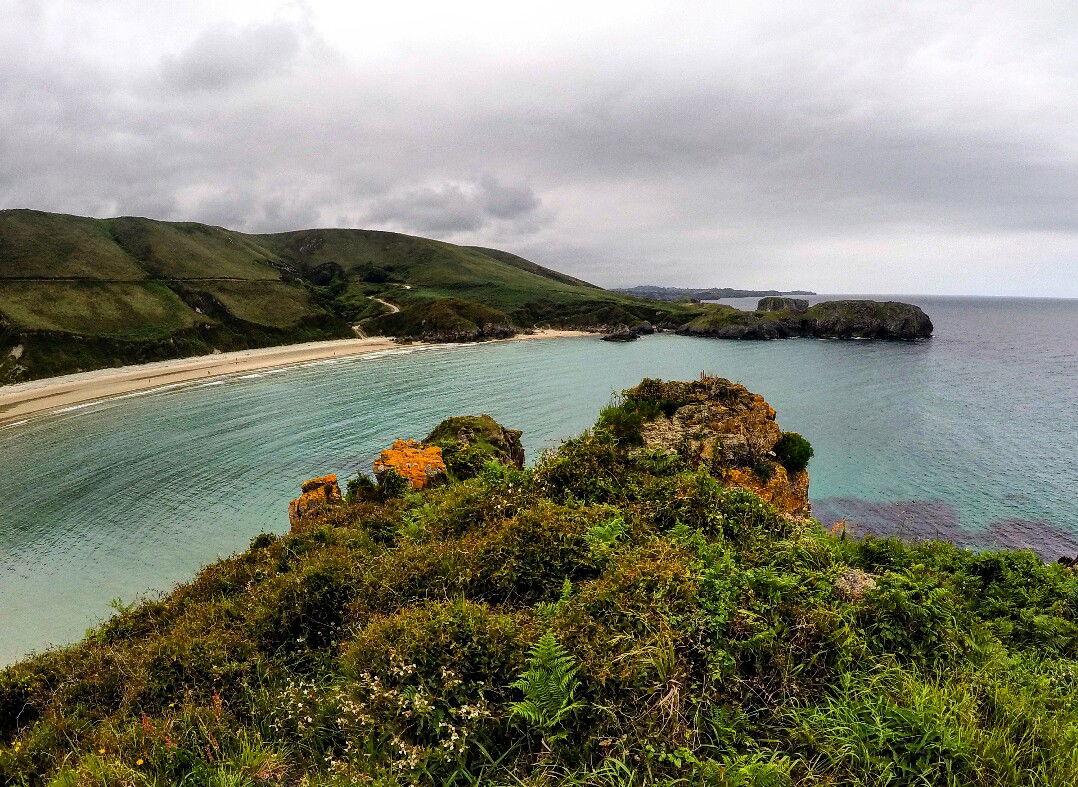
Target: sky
pixel 914 147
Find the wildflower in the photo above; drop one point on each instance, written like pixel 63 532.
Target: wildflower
pixel 138 761
pixel 17 746
pixel 100 751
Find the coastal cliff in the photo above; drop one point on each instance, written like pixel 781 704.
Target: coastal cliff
pixel 649 604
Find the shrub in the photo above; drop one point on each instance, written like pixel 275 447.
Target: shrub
pixel 391 484
pixel 793 451
pixel 625 417
pixel 528 557
pixel 361 488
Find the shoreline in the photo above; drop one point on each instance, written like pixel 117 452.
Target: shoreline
pixel 23 401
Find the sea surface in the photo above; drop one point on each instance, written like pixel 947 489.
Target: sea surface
pixel 971 436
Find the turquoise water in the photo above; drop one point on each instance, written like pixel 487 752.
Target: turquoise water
pixel 970 436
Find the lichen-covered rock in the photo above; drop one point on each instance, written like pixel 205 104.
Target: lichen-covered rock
pixel 721 425
pixel 421 465
pixel 468 442
pixel 318 493
pixel 787 491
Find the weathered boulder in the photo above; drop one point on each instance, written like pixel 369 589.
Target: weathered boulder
pixel 421 465
pixel 776 303
pixel 468 442
pixel 317 494
pixel 622 335
pixel 724 427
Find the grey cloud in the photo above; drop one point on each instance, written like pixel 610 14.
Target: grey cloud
pixel 454 207
pixel 927 145
pixel 253 211
pixel 230 56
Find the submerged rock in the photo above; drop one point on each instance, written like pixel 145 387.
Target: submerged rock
pixel 421 465
pixel 724 427
pixel 318 493
pixel 468 442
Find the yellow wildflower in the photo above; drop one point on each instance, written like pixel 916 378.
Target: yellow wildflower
pixel 100 751
pixel 138 761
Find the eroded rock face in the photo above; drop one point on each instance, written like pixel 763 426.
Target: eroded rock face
pixel 318 493
pixel 421 465
pixel 720 425
pixel 467 442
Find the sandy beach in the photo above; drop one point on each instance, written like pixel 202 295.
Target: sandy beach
pixel 25 400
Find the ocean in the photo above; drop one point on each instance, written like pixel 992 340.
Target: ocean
pixel 970 436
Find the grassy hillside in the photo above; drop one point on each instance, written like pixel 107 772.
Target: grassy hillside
pixel 80 293
pixel 614 616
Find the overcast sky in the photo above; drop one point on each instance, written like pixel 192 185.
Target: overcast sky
pixel 838 147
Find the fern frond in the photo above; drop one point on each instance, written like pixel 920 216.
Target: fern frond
pixel 549 685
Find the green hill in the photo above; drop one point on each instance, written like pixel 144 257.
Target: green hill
pixel 624 613
pixel 80 293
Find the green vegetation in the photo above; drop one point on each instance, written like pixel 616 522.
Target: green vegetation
pixel 793 451
pixel 609 617
pixel 144 290
pixel 470 442
pixel 121 310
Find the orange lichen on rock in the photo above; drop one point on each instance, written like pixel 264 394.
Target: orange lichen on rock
pixel 317 493
pixel 421 465
pixel 727 429
pixel 786 491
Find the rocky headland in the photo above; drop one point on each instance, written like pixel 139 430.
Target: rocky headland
pixel 651 603
pixel 785 318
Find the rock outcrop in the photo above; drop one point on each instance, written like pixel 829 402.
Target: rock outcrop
pixel 318 493
pixel 775 303
pixel 622 335
pixel 467 442
pixel 421 465
pixel 724 427
pixel 853 319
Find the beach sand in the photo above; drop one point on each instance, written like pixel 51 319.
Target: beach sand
pixel 25 400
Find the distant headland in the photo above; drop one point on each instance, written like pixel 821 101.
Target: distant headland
pixel 703 294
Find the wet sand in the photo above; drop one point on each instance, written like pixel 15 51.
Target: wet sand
pixel 25 400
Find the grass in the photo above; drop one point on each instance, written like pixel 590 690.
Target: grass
pixel 607 617
pixel 50 245
pixel 271 303
pixel 130 311
pixel 192 251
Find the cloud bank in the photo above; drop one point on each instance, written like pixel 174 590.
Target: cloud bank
pixel 838 147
